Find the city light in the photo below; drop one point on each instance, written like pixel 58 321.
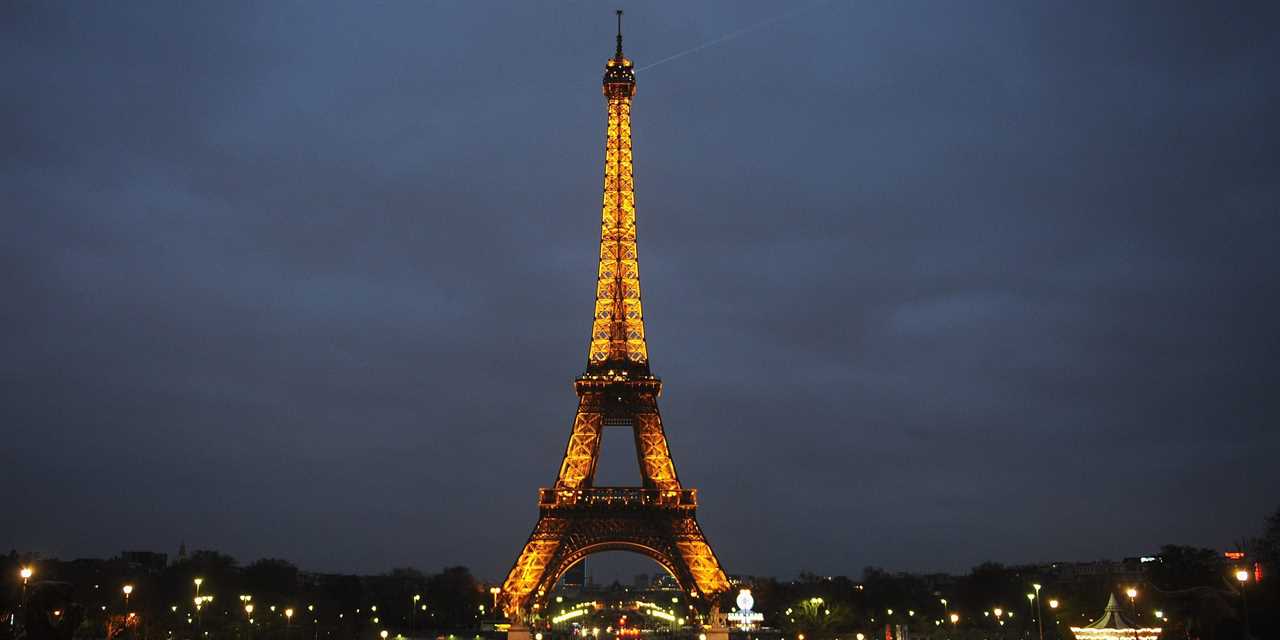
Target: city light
pixel 26 573
pixel 1242 576
pixel 568 615
pixel 1053 603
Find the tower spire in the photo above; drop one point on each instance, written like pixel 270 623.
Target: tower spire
pixel 618 54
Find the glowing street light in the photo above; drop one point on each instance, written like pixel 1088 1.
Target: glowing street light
pixel 1133 604
pixel 955 618
pixel 127 589
pixel 1039 610
pixel 26 573
pixel 1053 603
pixel 1242 576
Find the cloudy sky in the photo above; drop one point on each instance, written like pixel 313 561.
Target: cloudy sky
pixel 928 283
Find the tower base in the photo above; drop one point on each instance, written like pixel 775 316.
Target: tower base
pixel 522 633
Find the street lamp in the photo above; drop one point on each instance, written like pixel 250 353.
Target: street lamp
pixel 1053 610
pixel 1242 576
pixel 1039 610
pixel 413 609
pixel 127 589
pixel 197 582
pixel 1133 604
pixel 26 573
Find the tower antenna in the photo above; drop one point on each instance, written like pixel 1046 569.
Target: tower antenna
pixel 619 52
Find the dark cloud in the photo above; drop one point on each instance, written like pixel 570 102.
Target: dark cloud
pixel 929 284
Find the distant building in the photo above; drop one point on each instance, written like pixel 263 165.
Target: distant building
pixel 146 561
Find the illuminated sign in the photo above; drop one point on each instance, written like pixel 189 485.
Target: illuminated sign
pixel 1234 555
pixel 745 617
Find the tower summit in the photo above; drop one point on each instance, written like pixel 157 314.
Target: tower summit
pixel 576 517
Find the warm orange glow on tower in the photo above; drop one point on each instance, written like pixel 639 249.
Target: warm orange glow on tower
pixel 576 517
pixel 617 332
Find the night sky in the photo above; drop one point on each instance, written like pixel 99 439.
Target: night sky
pixel 927 283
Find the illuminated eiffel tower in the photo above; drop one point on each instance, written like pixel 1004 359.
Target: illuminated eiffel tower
pixel 576 517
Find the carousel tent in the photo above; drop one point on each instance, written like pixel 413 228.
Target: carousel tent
pixel 1115 624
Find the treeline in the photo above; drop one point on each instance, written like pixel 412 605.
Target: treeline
pixel 1195 591
pixel 235 601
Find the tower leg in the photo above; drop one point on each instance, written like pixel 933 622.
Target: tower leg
pixel 521 632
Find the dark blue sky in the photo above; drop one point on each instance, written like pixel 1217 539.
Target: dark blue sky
pixel 928 283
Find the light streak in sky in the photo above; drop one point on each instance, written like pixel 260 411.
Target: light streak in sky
pixel 733 34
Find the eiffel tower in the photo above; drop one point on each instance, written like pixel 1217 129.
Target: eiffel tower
pixel 577 518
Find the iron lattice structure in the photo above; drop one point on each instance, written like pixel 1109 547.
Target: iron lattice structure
pixel 577 518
